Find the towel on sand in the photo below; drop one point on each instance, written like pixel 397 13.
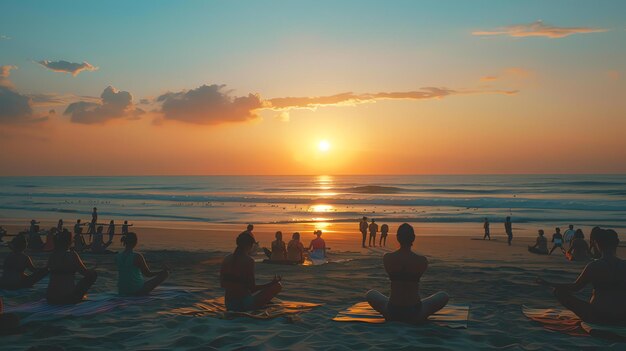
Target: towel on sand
pixel 217 309
pixel 565 321
pixel 451 316
pixel 93 304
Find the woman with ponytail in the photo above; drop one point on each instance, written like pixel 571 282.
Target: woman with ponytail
pixel 237 279
pixel 133 268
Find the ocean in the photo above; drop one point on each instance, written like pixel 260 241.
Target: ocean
pixel 562 199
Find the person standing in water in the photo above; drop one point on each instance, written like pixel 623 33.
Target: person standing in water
pixel 405 269
pixel 384 229
pixel 363 226
pixel 373 227
pixel 486 227
pixel 557 239
pixel 508 228
pixel 295 249
pixel 238 280
pixel 132 268
pixel 125 227
pixel 607 275
pixel 317 248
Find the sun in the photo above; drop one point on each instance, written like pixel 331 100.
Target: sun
pixel 323 145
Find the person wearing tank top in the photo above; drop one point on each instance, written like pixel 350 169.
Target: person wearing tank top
pixel 132 268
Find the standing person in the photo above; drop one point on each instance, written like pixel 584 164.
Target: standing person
pixel 384 229
pixel 91 230
pixel 125 227
pixel 34 226
pixel 486 227
pixel 317 248
pixel 63 265
pixel 79 241
pixel 508 228
pixel 557 239
pixel 132 267
pixel 60 225
pixel 541 244
pixel 111 230
pixel 405 269
pixel 373 227
pixel 238 281
pixel 363 226
pixel 568 236
pixel 15 265
pixel 295 249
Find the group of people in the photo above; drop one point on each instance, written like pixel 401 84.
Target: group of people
pixel 294 251
pixel 95 230
pixel 508 229
pixel 572 244
pixel 63 264
pixel 372 228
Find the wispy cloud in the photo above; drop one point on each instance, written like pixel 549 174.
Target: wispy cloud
pixel 509 73
pixel 67 67
pixel 113 104
pixel 538 29
pixel 213 104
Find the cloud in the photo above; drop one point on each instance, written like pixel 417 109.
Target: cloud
pixel 538 29
pixel 14 107
pixel 213 104
pixel 209 104
pixel 5 72
pixel 510 74
pixel 67 67
pixel 113 104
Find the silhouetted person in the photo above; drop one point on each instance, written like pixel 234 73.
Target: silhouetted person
pixel 63 265
pixel 34 226
pixel 98 245
pixel 111 230
pixel 237 278
pixel 279 248
pixel 568 236
pixel 3 233
pixel 363 226
pixel 594 251
pixel 79 241
pixel 607 275
pixel 125 227
pixel 405 269
pixel 579 249
pixel 373 228
pixel 295 249
pixel 60 225
pixel 541 244
pixel 557 240
pixel 91 229
pixel 317 248
pixel 384 230
pixel 15 265
pixel 486 227
pixel 132 269
pixel 508 228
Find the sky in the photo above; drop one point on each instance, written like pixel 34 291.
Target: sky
pixel 312 87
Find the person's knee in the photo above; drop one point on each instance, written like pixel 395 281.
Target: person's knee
pixel 443 297
pixel 164 275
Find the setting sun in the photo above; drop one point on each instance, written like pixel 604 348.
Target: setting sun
pixel 323 145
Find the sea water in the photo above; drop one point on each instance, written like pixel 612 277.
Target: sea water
pixel 579 199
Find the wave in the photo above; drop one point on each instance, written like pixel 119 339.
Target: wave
pixel 375 189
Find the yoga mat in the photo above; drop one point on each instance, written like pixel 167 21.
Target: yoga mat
pixel 217 309
pixel 93 304
pixel 565 321
pixel 451 316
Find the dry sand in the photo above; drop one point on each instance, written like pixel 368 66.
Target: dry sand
pixel 491 276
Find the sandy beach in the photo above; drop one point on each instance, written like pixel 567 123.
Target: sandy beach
pixel 495 279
